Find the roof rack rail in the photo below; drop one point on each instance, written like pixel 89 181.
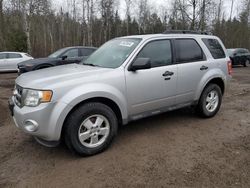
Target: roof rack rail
pixel 185 32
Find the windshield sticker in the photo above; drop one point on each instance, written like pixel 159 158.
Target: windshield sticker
pixel 126 44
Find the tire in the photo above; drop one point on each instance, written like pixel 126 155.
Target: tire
pixel 246 62
pixel 82 122
pixel 208 109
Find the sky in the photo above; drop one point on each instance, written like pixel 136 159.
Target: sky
pixel 159 5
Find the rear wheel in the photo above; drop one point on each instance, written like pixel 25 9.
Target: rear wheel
pixel 90 129
pixel 246 63
pixel 210 101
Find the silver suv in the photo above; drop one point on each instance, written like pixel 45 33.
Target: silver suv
pixel 126 79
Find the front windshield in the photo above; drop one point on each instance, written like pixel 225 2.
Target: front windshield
pixel 57 53
pixel 113 53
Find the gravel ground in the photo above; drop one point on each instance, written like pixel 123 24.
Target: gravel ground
pixel 175 149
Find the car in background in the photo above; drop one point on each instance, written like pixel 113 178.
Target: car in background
pixel 239 56
pixel 62 56
pixel 9 60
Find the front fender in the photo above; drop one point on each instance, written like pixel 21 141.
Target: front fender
pixel 209 75
pixel 80 94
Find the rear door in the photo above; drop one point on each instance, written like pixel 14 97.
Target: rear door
pixel 12 60
pixel 3 60
pixel 192 65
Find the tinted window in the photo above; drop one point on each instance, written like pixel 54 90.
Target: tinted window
pixel 215 48
pixel 86 51
pixel 2 56
pixel 159 53
pixel 188 50
pixel 13 55
pixel 71 53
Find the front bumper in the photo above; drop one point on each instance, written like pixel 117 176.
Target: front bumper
pixel 45 117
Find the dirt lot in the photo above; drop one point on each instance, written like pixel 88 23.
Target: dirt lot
pixel 176 149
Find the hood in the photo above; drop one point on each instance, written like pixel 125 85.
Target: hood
pixel 60 76
pixel 37 61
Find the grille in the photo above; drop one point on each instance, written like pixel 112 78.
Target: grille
pixel 18 95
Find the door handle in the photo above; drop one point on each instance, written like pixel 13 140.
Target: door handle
pixel 168 73
pixel 203 68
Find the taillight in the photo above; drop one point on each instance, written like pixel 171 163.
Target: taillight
pixel 229 67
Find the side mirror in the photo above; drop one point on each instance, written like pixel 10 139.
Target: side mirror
pixel 139 64
pixel 64 57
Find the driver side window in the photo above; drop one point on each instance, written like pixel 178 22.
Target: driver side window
pixel 158 51
pixel 71 53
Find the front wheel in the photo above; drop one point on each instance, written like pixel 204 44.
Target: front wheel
pixel 90 129
pixel 210 101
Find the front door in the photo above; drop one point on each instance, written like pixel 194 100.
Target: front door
pixel 152 89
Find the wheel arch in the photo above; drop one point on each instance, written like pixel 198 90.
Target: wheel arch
pixel 218 79
pixel 219 82
pixel 104 100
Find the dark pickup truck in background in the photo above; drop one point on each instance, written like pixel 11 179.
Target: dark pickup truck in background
pixel 63 56
pixel 239 56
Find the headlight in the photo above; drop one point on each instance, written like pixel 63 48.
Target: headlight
pixel 34 97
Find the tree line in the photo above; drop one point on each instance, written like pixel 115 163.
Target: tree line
pixel 39 28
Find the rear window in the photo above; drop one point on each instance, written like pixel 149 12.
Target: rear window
pixel 188 50
pixel 215 48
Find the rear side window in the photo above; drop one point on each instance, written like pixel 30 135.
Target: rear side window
pixel 215 48
pixel 159 52
pixel 86 51
pixel 14 55
pixel 188 50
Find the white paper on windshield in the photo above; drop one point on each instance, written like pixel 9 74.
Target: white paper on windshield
pixel 126 44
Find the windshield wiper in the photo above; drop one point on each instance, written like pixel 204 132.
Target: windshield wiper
pixel 90 64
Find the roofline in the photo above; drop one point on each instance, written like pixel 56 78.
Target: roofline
pixel 13 52
pixel 91 47
pixel 151 36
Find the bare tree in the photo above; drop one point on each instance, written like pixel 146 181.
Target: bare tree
pixel 231 11
pixel 2 24
pixel 203 13
pixel 194 6
pixel 143 14
pixel 28 9
pixel 128 5
pixel 219 10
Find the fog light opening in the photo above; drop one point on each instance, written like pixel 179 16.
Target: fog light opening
pixel 30 125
